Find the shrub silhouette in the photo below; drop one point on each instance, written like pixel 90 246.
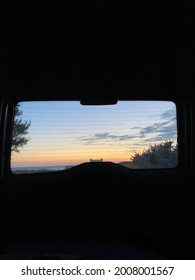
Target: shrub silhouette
pixel 163 155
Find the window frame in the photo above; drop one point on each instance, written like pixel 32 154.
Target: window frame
pixel 183 112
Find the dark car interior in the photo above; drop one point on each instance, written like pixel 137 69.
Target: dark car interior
pixel 98 54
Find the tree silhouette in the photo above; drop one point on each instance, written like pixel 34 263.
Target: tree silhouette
pixel 163 155
pixel 20 131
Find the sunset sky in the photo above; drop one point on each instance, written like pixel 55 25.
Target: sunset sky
pixel 68 133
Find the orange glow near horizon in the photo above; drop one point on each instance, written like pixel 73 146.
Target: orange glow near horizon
pixel 63 159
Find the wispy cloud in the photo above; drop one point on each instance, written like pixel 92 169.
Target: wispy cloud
pixel 163 130
pixel 159 131
pixel 107 135
pixel 169 114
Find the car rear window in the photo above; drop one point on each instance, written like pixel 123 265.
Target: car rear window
pixel 58 135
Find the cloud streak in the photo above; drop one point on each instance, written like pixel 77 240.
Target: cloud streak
pixel 107 135
pixel 164 130
pixel 159 131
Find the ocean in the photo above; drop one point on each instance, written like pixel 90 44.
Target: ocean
pixel 38 168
